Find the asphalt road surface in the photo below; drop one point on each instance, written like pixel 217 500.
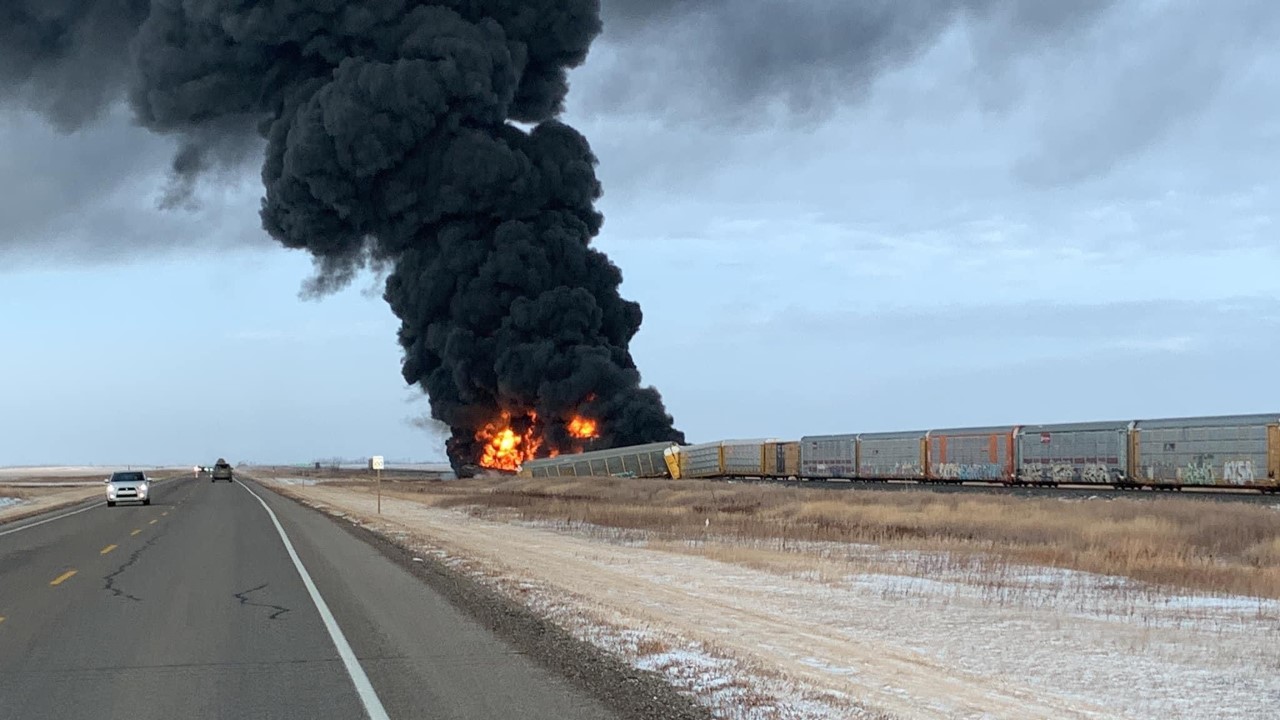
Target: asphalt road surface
pixel 194 607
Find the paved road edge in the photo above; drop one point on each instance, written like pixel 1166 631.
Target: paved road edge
pixel 631 693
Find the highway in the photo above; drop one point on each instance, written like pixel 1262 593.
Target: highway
pixel 194 607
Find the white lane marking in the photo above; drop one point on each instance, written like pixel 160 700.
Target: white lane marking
pixel 59 517
pixel 49 520
pixel 372 705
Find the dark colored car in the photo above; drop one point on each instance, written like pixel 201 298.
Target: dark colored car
pixel 221 471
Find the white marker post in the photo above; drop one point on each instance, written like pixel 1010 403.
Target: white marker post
pixel 375 464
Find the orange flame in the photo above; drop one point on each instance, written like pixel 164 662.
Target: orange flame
pixel 505 449
pixel 583 428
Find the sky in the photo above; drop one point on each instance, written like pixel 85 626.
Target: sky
pixel 836 217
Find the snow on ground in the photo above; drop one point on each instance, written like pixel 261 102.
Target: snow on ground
pixel 914 635
pixel 10 501
pixel 53 471
pixel 296 481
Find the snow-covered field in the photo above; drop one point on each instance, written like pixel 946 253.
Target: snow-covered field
pixel 296 481
pixel 855 631
pixel 60 471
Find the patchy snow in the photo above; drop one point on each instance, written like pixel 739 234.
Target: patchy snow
pixel 10 501
pixel 295 481
pixel 826 630
pixel 53 471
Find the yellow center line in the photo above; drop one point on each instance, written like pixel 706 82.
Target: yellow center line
pixel 62 578
pixel 1 618
pixel 135 532
pixel 153 522
pixel 107 549
pixel 166 512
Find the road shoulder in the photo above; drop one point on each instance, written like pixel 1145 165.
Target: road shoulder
pixel 40 504
pixel 629 693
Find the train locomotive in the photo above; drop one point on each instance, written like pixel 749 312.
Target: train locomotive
pixel 1230 451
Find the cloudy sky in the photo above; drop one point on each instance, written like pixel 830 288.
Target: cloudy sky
pixel 836 216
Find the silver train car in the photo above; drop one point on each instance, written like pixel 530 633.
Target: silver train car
pixel 1236 451
pixel 1241 451
pixel 652 460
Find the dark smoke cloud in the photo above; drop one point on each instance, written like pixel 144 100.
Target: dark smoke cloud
pixel 389 144
pixel 66 58
pixel 735 57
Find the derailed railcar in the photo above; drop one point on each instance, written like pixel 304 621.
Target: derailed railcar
pixel 724 458
pixel 649 461
pixel 829 456
pixel 1095 453
pixel 1229 450
pixel 893 455
pixel 971 454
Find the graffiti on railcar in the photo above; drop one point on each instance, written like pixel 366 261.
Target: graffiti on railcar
pixel 1096 473
pixel 894 470
pixel 968 471
pixel 1238 472
pixel 1198 472
pixel 1064 473
pixel 828 469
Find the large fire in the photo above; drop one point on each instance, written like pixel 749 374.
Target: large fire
pixel 583 428
pixel 508 447
pixel 505 449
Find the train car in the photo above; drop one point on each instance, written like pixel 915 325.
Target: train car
pixel 702 460
pixel 1230 450
pixel 892 456
pixel 635 461
pixel 829 456
pixel 723 458
pixel 782 459
pixel 971 454
pixel 1073 453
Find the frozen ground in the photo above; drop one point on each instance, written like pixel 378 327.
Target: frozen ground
pixel 35 500
pixel 296 481
pixel 59 471
pixel 854 631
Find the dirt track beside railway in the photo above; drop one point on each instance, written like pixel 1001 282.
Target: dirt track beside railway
pixel 839 634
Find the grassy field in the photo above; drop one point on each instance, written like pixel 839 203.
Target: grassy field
pixel 1219 547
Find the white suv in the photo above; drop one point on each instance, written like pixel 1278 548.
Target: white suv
pixel 132 486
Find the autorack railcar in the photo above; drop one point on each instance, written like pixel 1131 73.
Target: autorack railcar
pixel 1238 451
pixel 650 460
pixel 893 455
pixel 1233 450
pixel 983 454
pixel 1094 453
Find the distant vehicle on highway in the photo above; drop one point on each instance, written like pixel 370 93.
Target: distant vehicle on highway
pixel 221 471
pixel 130 486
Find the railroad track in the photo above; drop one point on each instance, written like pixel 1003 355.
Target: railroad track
pixel 1218 494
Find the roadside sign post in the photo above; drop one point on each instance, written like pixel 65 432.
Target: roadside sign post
pixel 375 464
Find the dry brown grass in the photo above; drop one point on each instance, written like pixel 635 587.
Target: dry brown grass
pixel 1222 547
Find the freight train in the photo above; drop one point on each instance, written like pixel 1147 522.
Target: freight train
pixel 1236 451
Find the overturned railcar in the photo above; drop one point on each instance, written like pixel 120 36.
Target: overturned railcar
pixel 725 458
pixel 648 461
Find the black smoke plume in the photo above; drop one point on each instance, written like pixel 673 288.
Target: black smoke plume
pixel 391 140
